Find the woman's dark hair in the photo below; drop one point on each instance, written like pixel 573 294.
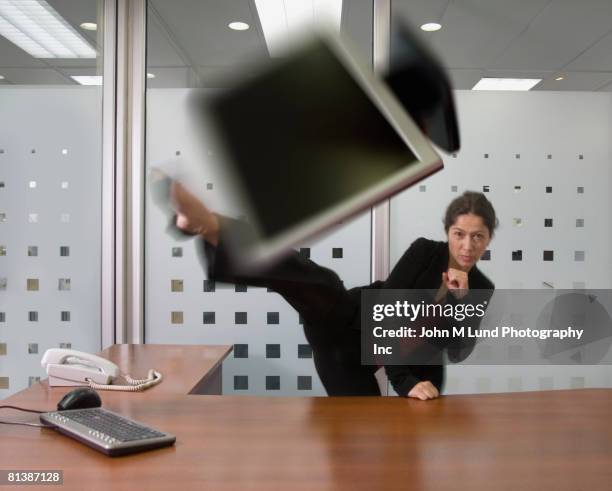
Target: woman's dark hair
pixel 471 202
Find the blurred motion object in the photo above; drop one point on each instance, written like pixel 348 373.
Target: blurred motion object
pixel 420 83
pixel 312 139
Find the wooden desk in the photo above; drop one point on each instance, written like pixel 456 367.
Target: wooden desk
pixel 556 440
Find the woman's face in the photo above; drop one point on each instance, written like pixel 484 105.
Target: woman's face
pixel 468 238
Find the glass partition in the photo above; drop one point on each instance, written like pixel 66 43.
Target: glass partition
pixel 191 46
pixel 50 183
pixel 541 157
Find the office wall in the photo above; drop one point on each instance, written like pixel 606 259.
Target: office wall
pixel 533 140
pixel 50 226
pixel 271 356
pixel 531 125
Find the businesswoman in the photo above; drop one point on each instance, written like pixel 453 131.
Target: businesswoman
pixel 331 313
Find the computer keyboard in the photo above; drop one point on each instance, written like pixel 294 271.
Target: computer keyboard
pixel 107 431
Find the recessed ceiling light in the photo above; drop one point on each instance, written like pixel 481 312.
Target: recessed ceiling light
pixel 431 26
pixel 38 29
pixel 238 26
pixel 506 83
pixel 150 75
pixel 1 77
pixel 87 79
pixel 89 26
pixel 559 78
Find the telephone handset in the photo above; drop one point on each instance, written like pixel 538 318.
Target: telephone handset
pixel 67 367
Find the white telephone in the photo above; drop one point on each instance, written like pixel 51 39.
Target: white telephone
pixel 67 367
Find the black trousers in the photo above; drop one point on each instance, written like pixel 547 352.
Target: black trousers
pixel 330 313
pixel 331 317
pixel 337 359
pixel 332 328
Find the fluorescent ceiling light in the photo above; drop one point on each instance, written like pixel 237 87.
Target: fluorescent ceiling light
pixel 238 26
pixel 38 29
pixel 89 26
pixel 431 26
pixel 283 19
pixel 506 83
pixel 87 79
pixel 559 78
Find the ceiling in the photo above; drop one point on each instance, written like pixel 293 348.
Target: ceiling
pixel 189 44
pixel 520 39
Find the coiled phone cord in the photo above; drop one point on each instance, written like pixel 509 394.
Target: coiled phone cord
pixel 134 385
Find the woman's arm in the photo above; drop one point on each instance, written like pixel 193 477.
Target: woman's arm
pixel 419 381
pixel 459 348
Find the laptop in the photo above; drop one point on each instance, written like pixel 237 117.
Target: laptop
pixel 311 140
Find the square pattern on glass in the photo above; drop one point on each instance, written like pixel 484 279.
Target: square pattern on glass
pixel 273 351
pixel 272 382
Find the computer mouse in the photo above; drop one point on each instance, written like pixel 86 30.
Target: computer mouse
pixel 81 398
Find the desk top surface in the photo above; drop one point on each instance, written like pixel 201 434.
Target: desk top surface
pixel 531 440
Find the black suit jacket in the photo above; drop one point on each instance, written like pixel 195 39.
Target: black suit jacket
pixel 421 267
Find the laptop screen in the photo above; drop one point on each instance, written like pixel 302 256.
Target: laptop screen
pixel 305 137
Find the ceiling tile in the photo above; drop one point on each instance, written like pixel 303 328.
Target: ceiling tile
pixel 464 79
pixel 160 51
pixel 563 30
pixel 587 81
pixel 475 32
pixel 35 76
pixel 12 56
pixel 91 63
pixel 597 57
pixel 177 77
pixel 199 30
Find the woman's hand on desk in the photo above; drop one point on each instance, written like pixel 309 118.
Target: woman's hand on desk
pixel 424 390
pixel 192 216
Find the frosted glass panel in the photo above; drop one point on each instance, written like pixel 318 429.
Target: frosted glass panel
pixel 271 355
pixel 50 203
